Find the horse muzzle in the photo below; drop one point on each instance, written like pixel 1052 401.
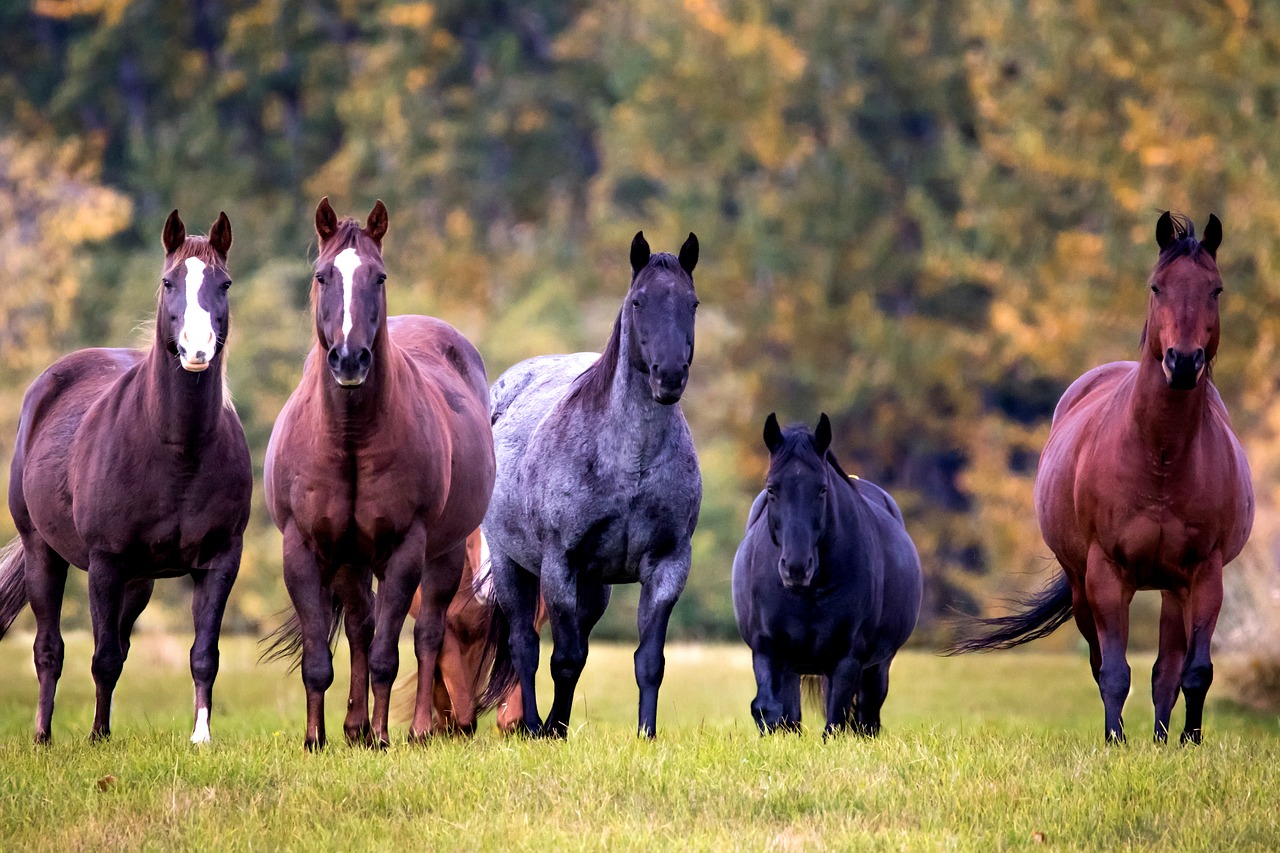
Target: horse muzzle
pixel 349 367
pixel 797 574
pixel 1182 369
pixel 667 386
pixel 196 357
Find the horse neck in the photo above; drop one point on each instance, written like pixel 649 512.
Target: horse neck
pixel 183 407
pixel 354 412
pixel 1165 420
pixel 637 420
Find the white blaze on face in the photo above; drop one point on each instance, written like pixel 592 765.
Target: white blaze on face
pixel 196 341
pixel 347 262
pixel 201 734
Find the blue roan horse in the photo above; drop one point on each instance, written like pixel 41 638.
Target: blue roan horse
pixel 597 484
pixel 826 582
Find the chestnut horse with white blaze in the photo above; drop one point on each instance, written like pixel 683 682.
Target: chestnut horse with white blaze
pixel 132 465
pixel 380 464
pixel 1144 485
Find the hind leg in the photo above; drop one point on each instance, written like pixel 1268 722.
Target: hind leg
pixel 871 695
pixel 842 686
pixel 1197 674
pixel 137 594
pixel 790 703
pixel 517 593
pixel 106 605
pixel 574 608
pixel 1166 675
pixel 404 572
pixel 438 586
pixel 355 589
pixel 46 580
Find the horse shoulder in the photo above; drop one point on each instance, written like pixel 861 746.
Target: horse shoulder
pixel 1091 386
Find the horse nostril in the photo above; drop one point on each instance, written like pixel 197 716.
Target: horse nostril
pixel 1197 360
pixel 364 358
pixel 334 358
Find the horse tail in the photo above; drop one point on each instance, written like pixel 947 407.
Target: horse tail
pixel 813 691
pixel 497 659
pixel 1039 615
pixel 285 642
pixel 13 583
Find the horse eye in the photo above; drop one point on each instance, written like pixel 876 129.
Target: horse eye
pixel 635 303
pixel 1155 290
pixel 168 285
pixel 695 305
pixel 226 284
pixel 320 277
pixel 1216 292
pixel 382 279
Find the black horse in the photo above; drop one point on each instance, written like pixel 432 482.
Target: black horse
pixel 826 583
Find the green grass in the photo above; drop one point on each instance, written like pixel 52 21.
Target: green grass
pixel 978 753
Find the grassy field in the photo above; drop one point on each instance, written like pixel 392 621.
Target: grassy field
pixel 999 751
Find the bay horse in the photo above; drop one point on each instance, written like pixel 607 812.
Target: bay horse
pixel 466 654
pixel 1143 485
pixel 133 466
pixel 380 464
pixel 826 583
pixel 598 484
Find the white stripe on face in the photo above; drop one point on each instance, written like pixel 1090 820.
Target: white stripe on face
pixel 347 262
pixel 196 341
pixel 201 734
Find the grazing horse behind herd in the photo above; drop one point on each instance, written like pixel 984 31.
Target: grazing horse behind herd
pixel 380 464
pixel 133 466
pixel 826 583
pixel 598 484
pixel 1143 485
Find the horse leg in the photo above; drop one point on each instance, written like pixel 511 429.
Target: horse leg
pixel 1197 675
pixel 1109 596
pixel 405 571
pixel 517 594
pixel 137 594
pixel 1166 675
pixel 658 594
pixel 842 686
pixel 576 609
pixel 46 579
pixel 768 708
pixel 356 591
pixel 106 600
pixel 313 603
pixel 871 695
pixel 208 604
pixel 790 702
pixel 1088 628
pixel 439 584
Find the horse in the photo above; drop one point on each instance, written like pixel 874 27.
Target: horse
pixel 380 464
pixel 466 653
pixel 132 465
pixel 598 484
pixel 826 583
pixel 1144 485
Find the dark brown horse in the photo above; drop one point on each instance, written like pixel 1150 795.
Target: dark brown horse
pixel 1143 485
pixel 380 464
pixel 466 654
pixel 133 466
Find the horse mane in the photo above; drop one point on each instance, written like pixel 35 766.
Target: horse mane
pixel 593 385
pixel 1183 245
pixel 199 248
pixel 347 234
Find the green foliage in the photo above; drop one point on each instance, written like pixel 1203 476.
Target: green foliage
pixel 924 218
pixel 970 760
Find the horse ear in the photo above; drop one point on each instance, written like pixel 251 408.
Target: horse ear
pixel 639 253
pixel 1164 230
pixel 376 225
pixel 174 234
pixel 822 435
pixel 326 220
pixel 689 253
pixel 772 433
pixel 220 235
pixel 1212 236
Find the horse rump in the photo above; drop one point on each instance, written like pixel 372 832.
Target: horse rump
pixel 13 583
pixel 1039 615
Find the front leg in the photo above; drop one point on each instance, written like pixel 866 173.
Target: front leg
pixel 1109 594
pixel 1197 675
pixel 354 588
pixel 395 593
pixel 842 686
pixel 768 709
pixel 313 603
pixel 660 588
pixel 574 606
pixel 106 604
pixel 208 604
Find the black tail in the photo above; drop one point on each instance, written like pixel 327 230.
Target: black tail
pixel 1040 615
pixel 13 583
pixel 497 659
pixel 813 692
pixel 285 642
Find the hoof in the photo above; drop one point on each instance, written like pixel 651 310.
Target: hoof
pixel 43 738
pixel 100 736
pixel 313 744
pixel 361 735
pixel 1191 736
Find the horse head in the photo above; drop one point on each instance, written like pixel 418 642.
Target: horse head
pixel 659 312
pixel 1182 317
pixel 349 293
pixel 193 316
pixel 796 488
